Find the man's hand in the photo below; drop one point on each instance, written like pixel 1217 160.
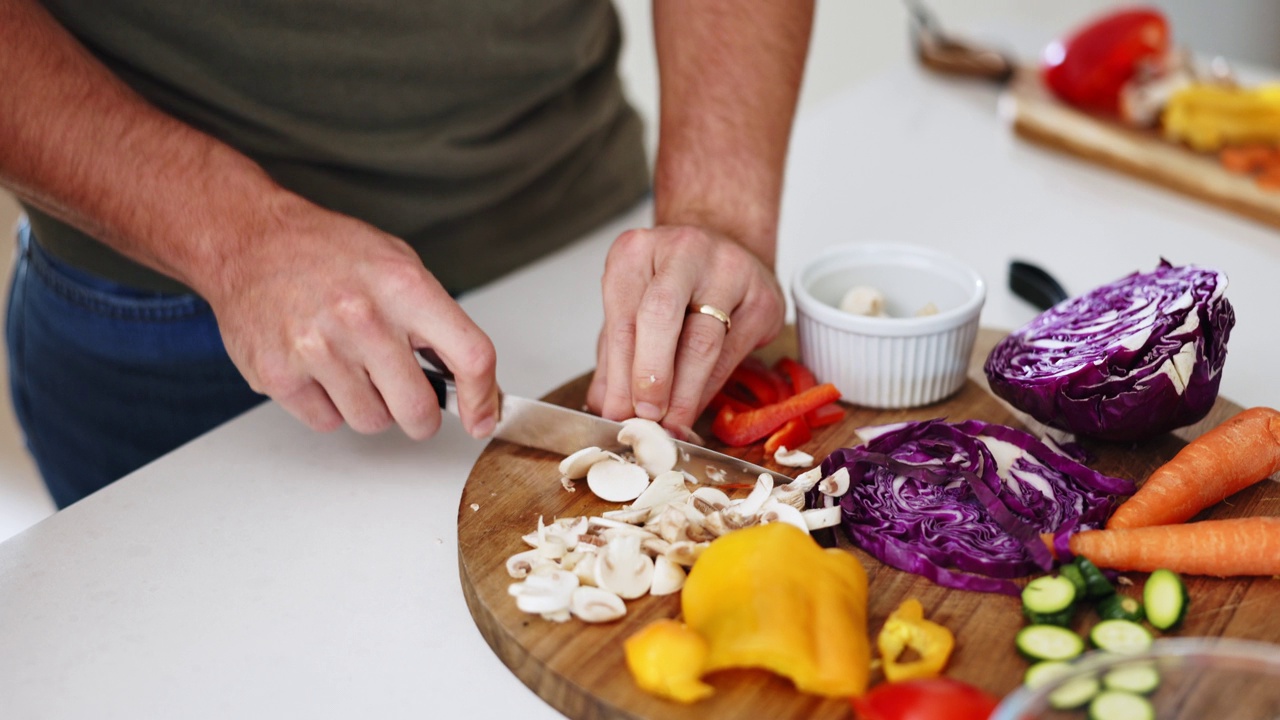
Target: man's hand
pixel 324 316
pixel 657 361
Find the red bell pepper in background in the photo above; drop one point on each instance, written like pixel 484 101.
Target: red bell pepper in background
pixel 793 433
pixel 1089 68
pixel 744 428
pixel 802 379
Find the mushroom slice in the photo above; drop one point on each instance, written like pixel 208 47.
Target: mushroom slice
pixel 622 568
pixel 774 511
pixel 668 576
pixel 752 503
pixel 630 515
pixel 595 605
pixel 835 484
pixel 575 466
pixel 544 592
pixel 666 488
pixel 617 481
pixel 672 524
pixel 805 481
pixel 787 494
pixel 585 568
pixel 819 518
pixel 522 563
pixel 792 458
pixel 685 553
pixel 709 499
pixel 654 449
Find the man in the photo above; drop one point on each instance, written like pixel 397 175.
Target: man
pixel 277 198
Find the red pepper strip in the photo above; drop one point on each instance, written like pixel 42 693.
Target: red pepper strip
pixel 794 433
pixel 738 429
pixel 759 386
pixel 802 379
pixel 723 399
pixel 828 414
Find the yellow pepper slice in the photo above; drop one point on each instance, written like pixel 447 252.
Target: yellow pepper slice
pixel 907 628
pixel 770 597
pixel 666 658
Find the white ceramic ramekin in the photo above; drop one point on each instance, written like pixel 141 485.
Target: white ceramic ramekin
pixel 899 361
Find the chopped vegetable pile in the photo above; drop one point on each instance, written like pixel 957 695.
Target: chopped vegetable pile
pixel 964 504
pixel 1130 360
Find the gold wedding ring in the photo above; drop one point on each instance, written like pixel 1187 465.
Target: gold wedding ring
pixel 714 312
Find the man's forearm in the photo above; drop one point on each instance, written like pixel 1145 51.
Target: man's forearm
pixel 730 75
pixel 78 143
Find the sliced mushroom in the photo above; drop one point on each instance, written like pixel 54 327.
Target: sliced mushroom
pixel 754 501
pixel 622 568
pixel 629 515
pixel 575 466
pixel 672 524
pixel 805 481
pixel 666 488
pixel 774 511
pixel 654 449
pixel 521 564
pixel 788 494
pixel 595 605
pixel 835 484
pixel 792 458
pixel 709 499
pixel 668 576
pixel 685 553
pixel 544 592
pixel 819 518
pixel 617 481
pixel 585 568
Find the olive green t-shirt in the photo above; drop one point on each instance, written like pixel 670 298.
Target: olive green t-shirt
pixel 484 132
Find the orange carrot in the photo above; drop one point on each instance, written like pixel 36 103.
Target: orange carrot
pixel 1221 548
pixel 1238 453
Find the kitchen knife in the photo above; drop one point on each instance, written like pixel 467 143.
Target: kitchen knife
pixel 537 424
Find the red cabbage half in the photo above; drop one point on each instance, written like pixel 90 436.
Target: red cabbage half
pixel 1125 362
pixel 965 504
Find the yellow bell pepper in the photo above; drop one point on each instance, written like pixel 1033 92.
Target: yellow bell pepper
pixel 767 597
pixel 1207 117
pixel 666 658
pixel 907 628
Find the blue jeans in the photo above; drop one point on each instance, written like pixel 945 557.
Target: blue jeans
pixel 106 378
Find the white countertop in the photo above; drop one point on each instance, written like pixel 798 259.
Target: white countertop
pixel 265 571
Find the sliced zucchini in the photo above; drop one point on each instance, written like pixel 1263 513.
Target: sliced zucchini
pixel 1095 583
pixel 1074 693
pixel 1120 607
pixel 1044 672
pixel 1120 636
pixel 1120 705
pixel 1165 598
pixel 1140 679
pixel 1048 594
pixel 1071 571
pixel 1048 642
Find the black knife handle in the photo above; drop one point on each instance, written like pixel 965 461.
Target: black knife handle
pixel 1035 285
pixel 440 378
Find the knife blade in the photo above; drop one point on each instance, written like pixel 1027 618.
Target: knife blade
pixel 561 430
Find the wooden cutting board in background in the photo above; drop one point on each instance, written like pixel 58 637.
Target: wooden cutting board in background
pixel 580 670
pixel 1039 117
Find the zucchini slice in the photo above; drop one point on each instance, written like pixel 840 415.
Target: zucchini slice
pixel 1048 642
pixel 1048 594
pixel 1165 598
pixel 1074 693
pixel 1140 679
pixel 1120 607
pixel 1120 636
pixel 1119 705
pixel 1096 584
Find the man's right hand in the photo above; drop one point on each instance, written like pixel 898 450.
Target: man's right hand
pixel 323 313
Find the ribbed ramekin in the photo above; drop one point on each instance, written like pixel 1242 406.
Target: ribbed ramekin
pixel 899 361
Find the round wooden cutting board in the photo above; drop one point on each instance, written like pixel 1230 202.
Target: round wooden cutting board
pixel 580 670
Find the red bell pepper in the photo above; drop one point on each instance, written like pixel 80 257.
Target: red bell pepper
pixel 743 428
pixel 1090 68
pixel 802 379
pixel 793 433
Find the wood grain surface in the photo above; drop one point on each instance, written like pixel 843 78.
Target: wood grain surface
pixel 1040 118
pixel 580 670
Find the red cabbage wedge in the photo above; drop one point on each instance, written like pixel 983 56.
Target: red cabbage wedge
pixel 965 504
pixel 1126 362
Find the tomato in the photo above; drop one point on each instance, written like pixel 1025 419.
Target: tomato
pixel 1089 68
pixel 940 698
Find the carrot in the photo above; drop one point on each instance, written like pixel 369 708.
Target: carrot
pixel 1238 453
pixel 1221 548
